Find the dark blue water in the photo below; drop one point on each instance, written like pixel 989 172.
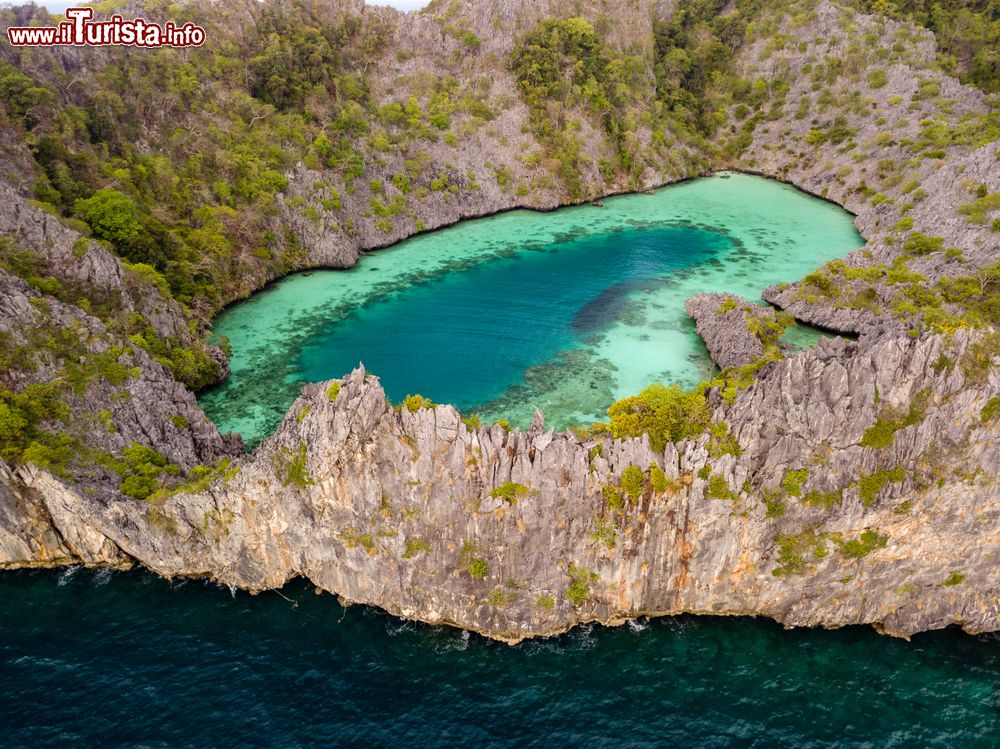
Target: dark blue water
pixel 565 312
pixel 114 660
pixel 465 337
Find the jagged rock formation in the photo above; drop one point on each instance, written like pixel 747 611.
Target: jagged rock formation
pixel 852 483
pixel 731 327
pixel 517 534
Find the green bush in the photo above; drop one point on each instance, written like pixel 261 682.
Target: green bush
pixel 604 532
pixel 877 78
pixel 991 410
pixel 477 568
pixel 414 403
pixel 581 579
pixel 665 413
pixel 861 547
pixel 825 500
pixel 796 551
pixel 921 244
pixel 614 497
pixel 658 478
pixel 353 539
pixel 111 215
pixel 415 546
pixel 718 488
pixel 976 211
pixel 722 442
pixel 883 432
pixel 955 578
pixel 292 469
pixel 546 602
pixel 793 481
pixel 633 481
pixel 871 485
pixel 510 492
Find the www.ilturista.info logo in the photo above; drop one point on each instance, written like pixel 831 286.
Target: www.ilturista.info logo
pixel 80 31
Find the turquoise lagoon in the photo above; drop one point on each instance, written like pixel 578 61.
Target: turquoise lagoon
pixel 564 311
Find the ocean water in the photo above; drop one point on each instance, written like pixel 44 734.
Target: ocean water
pixel 99 659
pixel 564 311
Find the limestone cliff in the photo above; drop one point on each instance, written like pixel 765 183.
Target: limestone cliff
pixel 517 534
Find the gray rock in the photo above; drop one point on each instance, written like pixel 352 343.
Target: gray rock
pixel 727 323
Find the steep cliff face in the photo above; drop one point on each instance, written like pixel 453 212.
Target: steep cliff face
pixel 113 395
pixel 518 534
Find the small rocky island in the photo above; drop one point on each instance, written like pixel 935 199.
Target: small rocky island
pixel 850 483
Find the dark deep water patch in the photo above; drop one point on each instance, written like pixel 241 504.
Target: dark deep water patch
pixel 467 336
pixel 105 659
pixel 564 311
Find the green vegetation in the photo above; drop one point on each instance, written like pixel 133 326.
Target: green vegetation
pixel 633 482
pixel 564 65
pixel 333 391
pixel 722 442
pixel 922 244
pixel 581 579
pixel 546 602
pixel 967 34
pixel 414 403
pixel 477 568
pixel 415 546
pixel 883 432
pixel 955 578
pixel 498 598
pixel 353 539
pixel 977 359
pixel 774 505
pixel 825 500
pixel 861 547
pixel 661 484
pixel 614 497
pixel 976 211
pixel 510 492
pixel 142 470
pixel 728 305
pixel 665 413
pixel 291 467
pixel 795 552
pixel 793 481
pixel 991 410
pixel 718 488
pixel 877 78
pixel 604 532
pixel 199 479
pixel 870 485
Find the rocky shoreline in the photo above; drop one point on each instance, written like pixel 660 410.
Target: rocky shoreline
pixel 521 534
